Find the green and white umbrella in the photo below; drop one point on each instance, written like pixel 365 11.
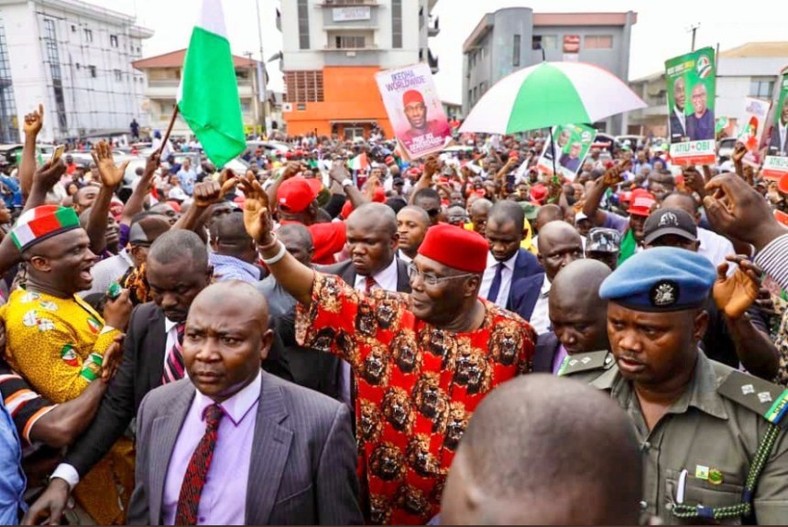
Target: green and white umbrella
pixel 549 94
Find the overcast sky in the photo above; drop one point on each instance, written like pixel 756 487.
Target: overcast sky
pixel 662 30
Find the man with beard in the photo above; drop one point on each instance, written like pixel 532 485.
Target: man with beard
pixel 422 361
pixel 712 445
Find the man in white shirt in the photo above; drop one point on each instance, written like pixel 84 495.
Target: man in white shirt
pixel 712 245
pixel 506 261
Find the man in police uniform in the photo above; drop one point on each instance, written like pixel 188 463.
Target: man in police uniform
pixel 711 437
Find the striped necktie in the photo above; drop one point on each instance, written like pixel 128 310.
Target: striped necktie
pixel 173 365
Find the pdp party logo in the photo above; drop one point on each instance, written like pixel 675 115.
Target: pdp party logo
pixel 703 66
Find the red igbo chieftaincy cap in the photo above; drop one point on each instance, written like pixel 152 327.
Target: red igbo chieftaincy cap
pixel 456 247
pixel 411 96
pixel 642 201
pixel 297 193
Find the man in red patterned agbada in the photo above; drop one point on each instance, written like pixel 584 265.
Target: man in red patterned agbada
pixel 422 361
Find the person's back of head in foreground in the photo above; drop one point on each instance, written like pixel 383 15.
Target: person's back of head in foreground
pixel 545 450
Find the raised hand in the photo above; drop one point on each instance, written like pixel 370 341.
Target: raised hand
pixel 737 210
pixel 48 175
pixel 111 175
pixel 736 293
pixel 209 191
pixel 431 167
pixel 614 175
pixel 257 214
pixel 34 121
pixel 694 180
pixel 739 151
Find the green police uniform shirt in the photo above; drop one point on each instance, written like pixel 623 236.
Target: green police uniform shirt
pixel 701 451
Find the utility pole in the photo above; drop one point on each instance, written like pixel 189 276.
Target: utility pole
pixel 694 28
pixel 261 72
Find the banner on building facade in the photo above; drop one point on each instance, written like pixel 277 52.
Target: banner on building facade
pixel 690 92
pixel 414 109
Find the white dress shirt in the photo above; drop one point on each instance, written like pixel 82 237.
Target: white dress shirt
pixel 682 119
pixel 404 257
pixel 540 318
pixel 715 248
pixel 385 278
pixel 506 279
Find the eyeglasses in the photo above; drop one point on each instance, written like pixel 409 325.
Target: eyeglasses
pixel 431 279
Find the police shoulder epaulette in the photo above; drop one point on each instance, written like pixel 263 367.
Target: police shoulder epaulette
pixel 586 362
pixel 762 397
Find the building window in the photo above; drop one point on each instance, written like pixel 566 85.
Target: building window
pixel 549 41
pixel 304 86
pixel 92 70
pixel 599 42
pixel 113 41
pixel 118 75
pixel 73 28
pixel 246 106
pixel 53 58
pixel 396 24
pixel 8 117
pixel 762 88
pixel 482 88
pixel 88 35
pixel 516 52
pixel 303 24
pixel 350 41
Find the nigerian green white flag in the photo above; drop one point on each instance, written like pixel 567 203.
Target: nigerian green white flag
pixel 208 95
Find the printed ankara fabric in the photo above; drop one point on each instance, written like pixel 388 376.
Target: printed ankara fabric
pixel 417 387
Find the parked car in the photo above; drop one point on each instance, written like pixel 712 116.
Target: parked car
pixel 725 148
pixel 633 141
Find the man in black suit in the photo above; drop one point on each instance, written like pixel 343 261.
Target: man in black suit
pixel 507 262
pixel 577 315
pixel 778 144
pixel 177 270
pixel 372 240
pixel 678 120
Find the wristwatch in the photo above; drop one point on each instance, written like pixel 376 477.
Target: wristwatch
pixel 347 182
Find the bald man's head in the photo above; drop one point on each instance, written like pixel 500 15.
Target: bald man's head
pixel 545 450
pixel 559 245
pixel 229 237
pixel 547 214
pixel 479 212
pixel 577 314
pixel 226 338
pixel 372 238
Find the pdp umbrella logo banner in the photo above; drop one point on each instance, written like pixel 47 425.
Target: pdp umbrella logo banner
pixel 691 80
pixel 414 109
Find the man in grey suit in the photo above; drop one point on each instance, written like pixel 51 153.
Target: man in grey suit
pixel 234 445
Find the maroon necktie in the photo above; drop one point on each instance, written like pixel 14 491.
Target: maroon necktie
pixel 173 364
pixel 199 464
pixel 370 284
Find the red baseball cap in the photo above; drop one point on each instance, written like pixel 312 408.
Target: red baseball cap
pixel 412 96
pixel 538 193
pixel 642 202
pixel 296 194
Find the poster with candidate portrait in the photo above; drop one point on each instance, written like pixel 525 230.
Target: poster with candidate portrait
pixel 414 109
pixel 775 164
pixel 752 129
pixel 691 89
pixel 572 143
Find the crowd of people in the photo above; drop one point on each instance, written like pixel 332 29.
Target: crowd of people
pixel 454 340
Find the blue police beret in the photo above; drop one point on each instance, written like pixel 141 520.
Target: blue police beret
pixel 661 279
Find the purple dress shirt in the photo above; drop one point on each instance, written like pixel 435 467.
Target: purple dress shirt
pixel 559 359
pixel 223 499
